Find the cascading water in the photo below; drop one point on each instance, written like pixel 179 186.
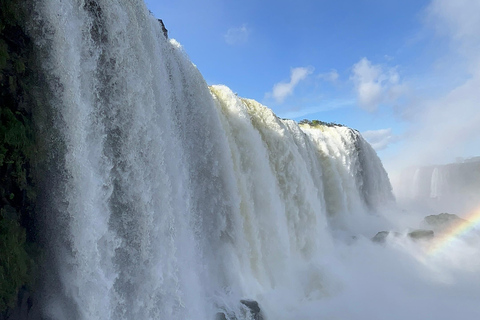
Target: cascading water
pixel 163 199
pixel 436 184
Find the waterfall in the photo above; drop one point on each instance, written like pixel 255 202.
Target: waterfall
pixel 450 187
pixel 436 183
pixel 162 198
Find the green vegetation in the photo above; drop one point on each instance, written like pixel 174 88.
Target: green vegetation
pixel 16 264
pixel 318 123
pixel 17 194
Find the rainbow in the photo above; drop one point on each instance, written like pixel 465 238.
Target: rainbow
pixel 460 228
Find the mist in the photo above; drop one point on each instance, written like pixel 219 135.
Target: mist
pixel 426 167
pixel 397 279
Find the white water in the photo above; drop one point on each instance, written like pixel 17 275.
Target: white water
pixel 164 199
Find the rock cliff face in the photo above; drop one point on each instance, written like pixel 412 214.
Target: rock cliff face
pixel 17 193
pixel 165 31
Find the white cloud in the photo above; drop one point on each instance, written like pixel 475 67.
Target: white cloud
pixel 331 76
pixel 237 36
pixel 449 124
pixel 388 57
pixel 282 90
pixel 299 112
pixel 375 85
pixel 380 139
pixel 446 127
pixel 459 20
pixel 445 124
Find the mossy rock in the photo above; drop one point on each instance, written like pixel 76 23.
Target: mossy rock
pixel 15 263
pixel 17 144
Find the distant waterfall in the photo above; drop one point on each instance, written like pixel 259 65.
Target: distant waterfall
pixel 451 187
pixel 163 199
pixel 436 184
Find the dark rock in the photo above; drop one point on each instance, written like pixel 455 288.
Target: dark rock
pixel 381 236
pixel 25 309
pixel 17 201
pixel 441 222
pixel 165 31
pixel 220 316
pixel 250 306
pixel 421 234
pixel 9 212
pixel 254 308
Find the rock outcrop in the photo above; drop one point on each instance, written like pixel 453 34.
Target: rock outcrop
pixel 249 306
pixel 417 234
pixel 421 234
pixel 431 225
pixel 165 31
pixel 254 308
pixel 18 235
pixel 381 236
pixel 25 309
pixel 441 222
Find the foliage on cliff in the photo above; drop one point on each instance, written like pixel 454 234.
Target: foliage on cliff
pixel 17 196
pixel 316 123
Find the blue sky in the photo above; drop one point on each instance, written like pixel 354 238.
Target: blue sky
pixel 404 73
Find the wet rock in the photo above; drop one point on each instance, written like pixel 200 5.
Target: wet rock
pixel 165 31
pixel 441 222
pixel 381 236
pixel 220 316
pixel 254 308
pixel 25 309
pixel 421 234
